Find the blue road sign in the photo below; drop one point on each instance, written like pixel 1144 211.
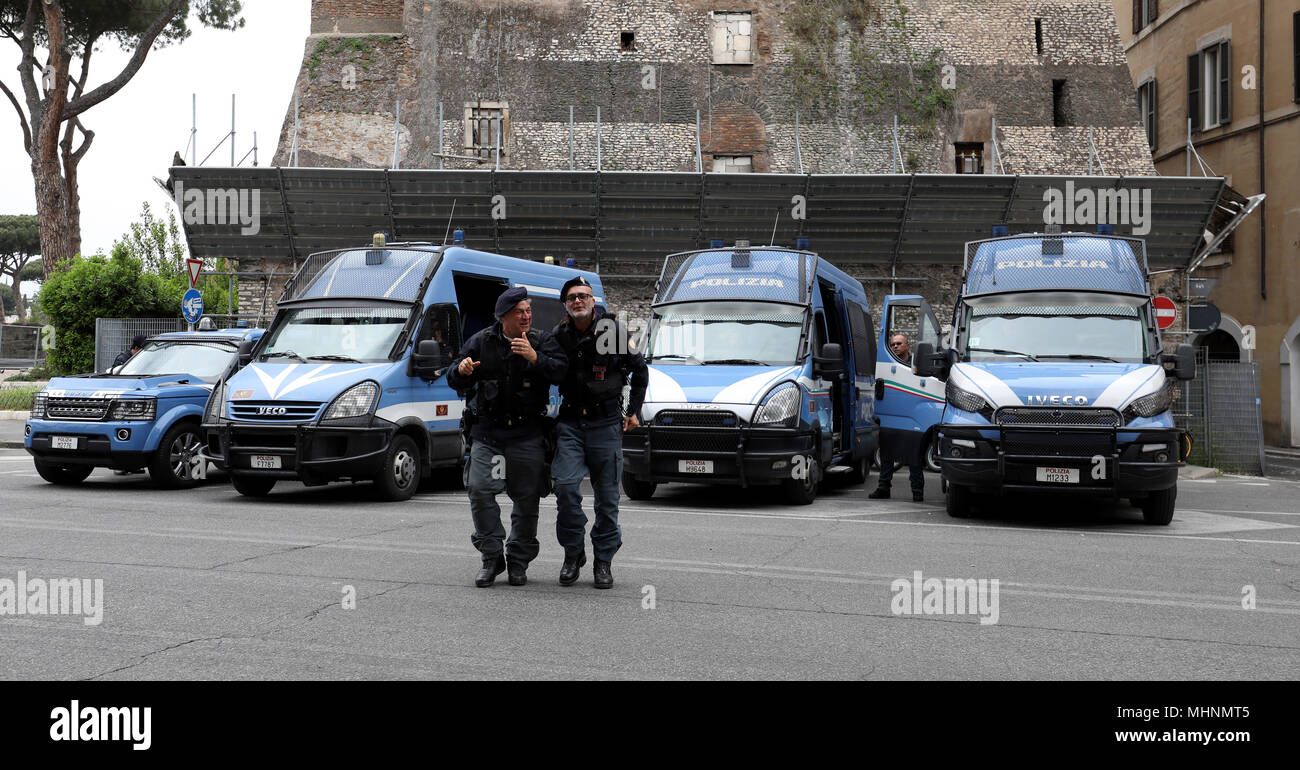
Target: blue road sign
pixel 192 305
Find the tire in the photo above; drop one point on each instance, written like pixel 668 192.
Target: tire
pixel 252 486
pixel 63 475
pixel 1158 507
pixel 861 471
pixel 173 464
pixel 399 476
pixel 801 491
pixel 636 489
pixel 958 501
pixel 932 455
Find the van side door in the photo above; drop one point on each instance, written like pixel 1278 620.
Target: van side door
pixel 905 403
pixel 863 378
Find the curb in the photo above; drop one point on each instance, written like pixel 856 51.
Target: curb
pixel 15 415
pixel 1197 473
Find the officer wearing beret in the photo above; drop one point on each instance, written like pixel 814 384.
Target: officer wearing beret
pixel 590 431
pixel 509 369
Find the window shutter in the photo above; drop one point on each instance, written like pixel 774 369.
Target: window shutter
pixel 1295 44
pixel 1137 16
pixel 1225 82
pixel 1194 90
pixel 1155 10
pixel 1152 111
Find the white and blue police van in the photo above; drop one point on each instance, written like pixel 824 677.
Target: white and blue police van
pixel 762 372
pixel 349 382
pixel 1055 376
pixel 143 414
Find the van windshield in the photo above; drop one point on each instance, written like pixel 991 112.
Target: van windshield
pixel 1057 333
pixel 335 333
pixel 205 360
pixel 725 333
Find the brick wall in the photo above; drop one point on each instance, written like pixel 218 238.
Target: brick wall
pixel 356 15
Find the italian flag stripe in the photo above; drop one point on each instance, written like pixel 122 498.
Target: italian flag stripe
pixel 911 391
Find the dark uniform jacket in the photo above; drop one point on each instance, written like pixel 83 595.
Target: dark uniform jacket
pixel 593 386
pixel 507 394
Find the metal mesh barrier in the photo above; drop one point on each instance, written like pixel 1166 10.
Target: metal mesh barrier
pixel 749 273
pixel 1086 263
pixel 1220 409
pixel 114 335
pixel 20 346
pixel 382 273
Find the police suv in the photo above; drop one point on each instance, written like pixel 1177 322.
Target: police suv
pixel 1055 377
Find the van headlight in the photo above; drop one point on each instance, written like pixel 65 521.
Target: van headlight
pixel 780 408
pixel 1149 405
pixel 38 406
pixel 967 401
pixel 357 401
pixel 216 404
pixel 134 409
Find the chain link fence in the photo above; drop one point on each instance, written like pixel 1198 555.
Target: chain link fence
pixel 114 335
pixel 1220 409
pixel 20 347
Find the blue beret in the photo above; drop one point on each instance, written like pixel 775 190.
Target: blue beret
pixel 577 280
pixel 509 298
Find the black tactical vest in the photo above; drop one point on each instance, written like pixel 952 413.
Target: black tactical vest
pixel 595 380
pixel 506 393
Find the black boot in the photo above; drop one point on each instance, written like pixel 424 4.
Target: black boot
pixel 572 566
pixel 488 575
pixel 604 578
pixel 518 574
pixel 880 494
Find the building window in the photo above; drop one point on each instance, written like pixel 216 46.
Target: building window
pixel 627 41
pixel 1038 36
pixel 1146 94
pixel 969 158
pixel 1144 12
pixel 487 125
pixel 1209 87
pixel 1060 104
pixel 733 37
pixel 733 164
pixel 1295 47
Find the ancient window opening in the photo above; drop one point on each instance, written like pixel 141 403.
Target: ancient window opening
pixel 1060 104
pixel 969 157
pixel 627 41
pixel 733 164
pixel 487 127
pixel 733 37
pixel 1146 97
pixel 1038 36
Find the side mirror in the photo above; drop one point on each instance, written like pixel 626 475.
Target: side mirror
pixel 831 360
pixel 428 361
pixel 1184 361
pixel 927 363
pixel 245 352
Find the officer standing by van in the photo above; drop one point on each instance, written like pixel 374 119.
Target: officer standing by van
pixel 894 448
pixel 590 431
pixel 509 367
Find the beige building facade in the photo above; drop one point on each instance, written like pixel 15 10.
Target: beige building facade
pixel 1232 68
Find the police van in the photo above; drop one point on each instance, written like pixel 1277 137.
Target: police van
pixel 144 414
pixel 349 382
pixel 762 372
pixel 1055 377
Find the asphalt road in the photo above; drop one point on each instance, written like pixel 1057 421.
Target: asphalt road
pixel 204 584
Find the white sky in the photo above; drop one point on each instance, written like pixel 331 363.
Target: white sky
pixel 138 129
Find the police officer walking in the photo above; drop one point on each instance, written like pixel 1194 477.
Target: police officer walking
pixel 510 368
pixel 590 431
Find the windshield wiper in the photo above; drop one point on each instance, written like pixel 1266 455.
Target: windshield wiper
pixel 734 361
pixel 284 353
pixel 690 358
pixel 334 358
pixel 1087 356
pixel 1001 352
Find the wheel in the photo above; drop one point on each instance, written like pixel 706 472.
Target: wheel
pixel 252 486
pixel 958 501
pixel 176 463
pixel 861 471
pixel 63 475
pixel 932 455
pixel 801 491
pixel 1158 507
pixel 400 474
pixel 638 490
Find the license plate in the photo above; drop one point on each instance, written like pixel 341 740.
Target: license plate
pixel 63 442
pixel 695 466
pixel 266 461
pixel 1058 475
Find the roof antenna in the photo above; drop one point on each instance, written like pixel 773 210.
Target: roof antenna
pixel 449 218
pixel 772 242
